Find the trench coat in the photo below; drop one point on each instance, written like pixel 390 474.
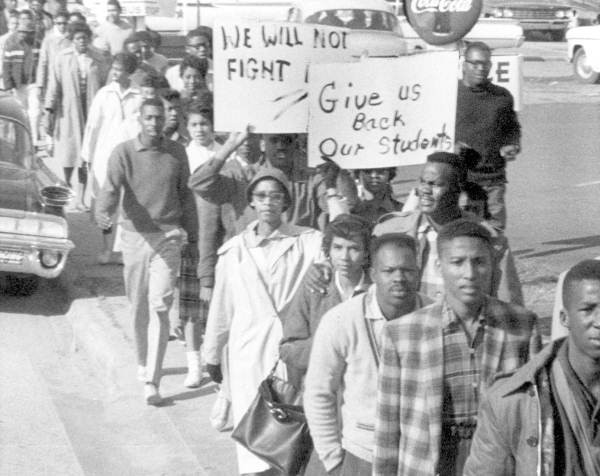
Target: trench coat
pixel 63 98
pixel 246 312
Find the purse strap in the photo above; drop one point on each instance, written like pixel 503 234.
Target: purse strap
pixel 371 333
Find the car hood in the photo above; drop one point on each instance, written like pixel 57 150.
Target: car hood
pixel 376 43
pixel 584 33
pixel 18 190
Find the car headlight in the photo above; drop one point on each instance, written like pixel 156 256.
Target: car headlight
pixel 508 13
pixel 49 258
pixel 560 13
pixel 497 12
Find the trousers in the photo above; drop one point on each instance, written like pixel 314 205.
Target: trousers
pixel 151 264
pixel 496 204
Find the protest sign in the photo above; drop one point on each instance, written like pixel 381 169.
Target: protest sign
pixel 382 112
pixel 507 71
pixel 260 72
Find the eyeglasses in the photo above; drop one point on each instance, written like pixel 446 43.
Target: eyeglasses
pixel 273 196
pixel 479 64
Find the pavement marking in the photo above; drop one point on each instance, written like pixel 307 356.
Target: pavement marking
pixel 587 184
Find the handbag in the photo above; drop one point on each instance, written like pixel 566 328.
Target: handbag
pixel 274 428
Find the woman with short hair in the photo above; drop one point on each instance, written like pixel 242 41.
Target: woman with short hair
pixel 258 273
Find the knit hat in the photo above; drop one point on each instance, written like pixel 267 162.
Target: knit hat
pixel 273 174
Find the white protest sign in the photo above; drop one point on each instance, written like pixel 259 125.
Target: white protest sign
pixel 260 72
pixel 507 71
pixel 382 112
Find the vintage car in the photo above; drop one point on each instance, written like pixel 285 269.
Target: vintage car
pixel 373 25
pixel 549 16
pixel 34 239
pixel 583 50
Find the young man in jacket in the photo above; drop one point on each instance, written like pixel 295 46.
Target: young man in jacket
pixel 543 418
pixel 341 381
pixel 437 361
pixel 439 189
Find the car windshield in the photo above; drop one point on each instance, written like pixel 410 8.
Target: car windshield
pixel 355 19
pixel 15 143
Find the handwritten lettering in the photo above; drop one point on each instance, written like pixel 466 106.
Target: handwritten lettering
pixel 364 123
pixel 233 39
pixel 329 101
pixel 253 68
pixel 329 39
pixel 273 35
pixel 397 145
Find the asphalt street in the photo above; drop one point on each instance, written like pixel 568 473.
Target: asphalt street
pixel 60 416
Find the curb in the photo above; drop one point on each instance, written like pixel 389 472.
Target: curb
pixel 98 335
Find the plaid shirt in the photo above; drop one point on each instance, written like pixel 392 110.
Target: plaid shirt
pixel 411 380
pixel 462 368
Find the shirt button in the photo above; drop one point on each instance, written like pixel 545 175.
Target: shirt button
pixel 438 294
pixel 532 441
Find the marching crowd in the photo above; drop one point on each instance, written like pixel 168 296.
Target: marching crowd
pixel 400 326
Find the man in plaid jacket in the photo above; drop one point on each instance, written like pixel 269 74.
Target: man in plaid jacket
pixel 437 361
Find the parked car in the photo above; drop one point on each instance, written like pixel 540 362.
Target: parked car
pixel 373 25
pixel 583 50
pixel 34 239
pixel 549 16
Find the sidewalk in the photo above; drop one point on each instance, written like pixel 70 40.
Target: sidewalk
pixel 102 329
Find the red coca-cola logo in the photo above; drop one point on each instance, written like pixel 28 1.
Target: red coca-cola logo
pixel 440 22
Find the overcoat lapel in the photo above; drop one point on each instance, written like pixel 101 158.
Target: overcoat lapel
pixel 259 286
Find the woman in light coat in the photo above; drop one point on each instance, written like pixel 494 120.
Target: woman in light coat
pixel 78 73
pixel 258 273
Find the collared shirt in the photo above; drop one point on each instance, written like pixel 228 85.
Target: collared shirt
pixel 199 154
pixel 265 249
pixel 432 284
pixel 358 289
pixel 374 316
pixel 463 355
pixel 83 61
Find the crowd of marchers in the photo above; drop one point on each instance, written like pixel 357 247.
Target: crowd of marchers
pixel 401 324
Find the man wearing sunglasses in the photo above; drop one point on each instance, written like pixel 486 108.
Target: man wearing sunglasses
pixel 486 122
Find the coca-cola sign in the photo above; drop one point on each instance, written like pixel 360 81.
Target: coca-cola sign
pixel 440 22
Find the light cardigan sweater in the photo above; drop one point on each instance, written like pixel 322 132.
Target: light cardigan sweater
pixel 342 362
